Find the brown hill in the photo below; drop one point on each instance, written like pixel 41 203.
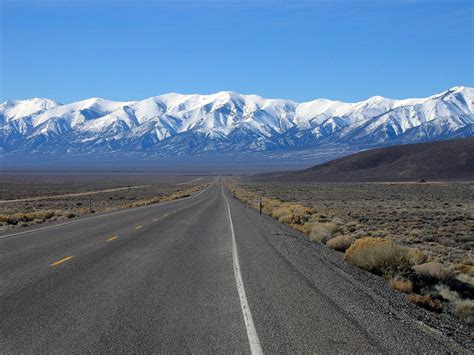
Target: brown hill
pixel 434 161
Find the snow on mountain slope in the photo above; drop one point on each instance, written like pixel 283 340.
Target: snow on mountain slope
pixel 228 122
pixel 13 109
pixel 79 112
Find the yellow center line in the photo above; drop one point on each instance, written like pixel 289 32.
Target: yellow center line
pixel 63 260
pixel 138 227
pixel 112 238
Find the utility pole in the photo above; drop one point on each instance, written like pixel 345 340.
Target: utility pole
pixel 260 205
pixel 90 205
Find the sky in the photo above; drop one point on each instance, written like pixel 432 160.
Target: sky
pixel 70 50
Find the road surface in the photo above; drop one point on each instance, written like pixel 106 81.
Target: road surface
pixel 203 274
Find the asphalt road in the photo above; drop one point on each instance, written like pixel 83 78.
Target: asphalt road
pixel 203 274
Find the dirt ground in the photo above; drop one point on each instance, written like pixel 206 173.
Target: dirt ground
pixel 30 198
pixel 437 218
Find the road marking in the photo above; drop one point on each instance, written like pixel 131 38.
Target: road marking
pixel 254 342
pixel 138 227
pixel 104 215
pixel 154 219
pixel 112 238
pixel 63 260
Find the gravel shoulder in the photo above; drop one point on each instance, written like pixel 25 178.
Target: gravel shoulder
pixel 365 298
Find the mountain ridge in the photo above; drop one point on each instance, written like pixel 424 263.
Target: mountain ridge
pixel 228 122
pixel 432 161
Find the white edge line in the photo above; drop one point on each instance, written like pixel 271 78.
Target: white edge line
pixel 254 342
pixel 102 215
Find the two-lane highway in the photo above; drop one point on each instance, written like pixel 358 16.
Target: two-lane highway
pixel 201 274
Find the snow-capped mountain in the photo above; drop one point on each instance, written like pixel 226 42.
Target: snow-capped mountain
pixel 228 122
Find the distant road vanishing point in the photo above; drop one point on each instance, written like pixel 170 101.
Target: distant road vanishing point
pixel 203 274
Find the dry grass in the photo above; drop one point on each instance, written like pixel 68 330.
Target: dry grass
pixel 38 216
pixel 446 293
pixel 465 267
pixel 292 214
pixel 418 256
pixel 340 242
pixel 466 279
pixel 380 256
pixel 289 213
pixel 464 309
pixel 270 205
pixel 143 202
pixel 174 196
pixel 433 270
pixel 322 232
pixel 427 302
pixel 401 284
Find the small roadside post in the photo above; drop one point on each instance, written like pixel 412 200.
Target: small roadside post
pixel 90 205
pixel 260 206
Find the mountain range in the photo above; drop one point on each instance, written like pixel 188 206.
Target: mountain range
pixel 227 123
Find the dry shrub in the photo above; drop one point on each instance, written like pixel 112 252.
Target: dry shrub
pixel 446 293
pixel 46 214
pixel 401 284
pixel 351 226
pixel 433 270
pixel 282 210
pixel 270 205
pixel 418 256
pixel 380 256
pixel 465 267
pixel 291 213
pixel 466 279
pixel 300 227
pixel 174 196
pixel 322 232
pixel 340 242
pixel 464 309
pixel 286 219
pixel 82 210
pixel 5 218
pixel 301 214
pixel 426 302
pixel 28 217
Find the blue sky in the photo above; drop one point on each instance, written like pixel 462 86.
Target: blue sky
pixel 348 50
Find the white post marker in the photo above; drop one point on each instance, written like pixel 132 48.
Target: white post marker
pixel 254 342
